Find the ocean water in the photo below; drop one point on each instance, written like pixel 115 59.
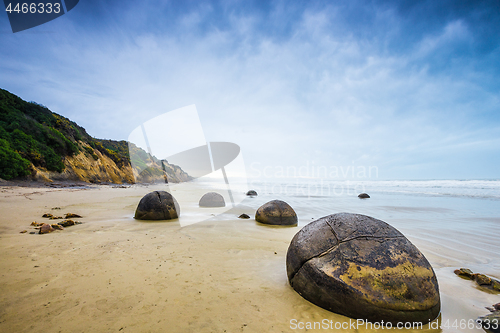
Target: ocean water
pixel 456 222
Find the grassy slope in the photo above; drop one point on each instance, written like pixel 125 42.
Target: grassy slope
pixel 30 132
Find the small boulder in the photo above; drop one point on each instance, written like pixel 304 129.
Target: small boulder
pixel 363 196
pixel 67 223
pixel 57 227
pixel 212 199
pixel 157 205
pixel 243 216
pixel 47 215
pixel 55 218
pixel 481 279
pixel 252 193
pixel 46 228
pixel 71 215
pixel 276 212
pixel 24 231
pixel 362 268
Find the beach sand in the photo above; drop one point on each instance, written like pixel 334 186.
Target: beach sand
pixel 116 274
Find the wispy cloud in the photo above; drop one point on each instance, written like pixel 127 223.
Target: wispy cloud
pixel 334 84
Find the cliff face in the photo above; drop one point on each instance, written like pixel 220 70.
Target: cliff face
pixel 39 144
pixel 91 166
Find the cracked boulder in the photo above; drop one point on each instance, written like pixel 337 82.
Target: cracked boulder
pixel 362 268
pixel 212 199
pixel 157 205
pixel 276 212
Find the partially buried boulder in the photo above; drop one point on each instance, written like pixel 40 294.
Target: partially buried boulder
pixel 212 199
pixel 363 196
pixel 67 223
pixel 362 268
pixel 276 212
pixel 491 322
pixel 465 273
pixel 251 193
pixel 157 205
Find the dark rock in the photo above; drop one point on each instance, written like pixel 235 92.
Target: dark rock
pixel 24 231
pixel 157 205
pixel 55 218
pixel 252 193
pixel 57 227
pixel 212 199
pixel 276 212
pixel 71 215
pixel 482 279
pixel 46 228
pixel 32 233
pixel 36 224
pixel 494 307
pixel 67 223
pixel 244 216
pixel 465 273
pixel 362 268
pixel 363 196
pixel 47 215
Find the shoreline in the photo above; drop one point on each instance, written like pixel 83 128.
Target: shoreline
pixel 113 273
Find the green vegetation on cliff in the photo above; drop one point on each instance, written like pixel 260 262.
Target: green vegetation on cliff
pixel 30 132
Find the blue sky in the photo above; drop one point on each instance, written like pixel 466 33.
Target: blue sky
pixel 411 87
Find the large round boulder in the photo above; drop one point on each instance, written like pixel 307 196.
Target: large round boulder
pixel 212 199
pixel 276 212
pixel 362 268
pixel 157 205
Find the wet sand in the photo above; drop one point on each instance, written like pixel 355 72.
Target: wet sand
pixel 115 274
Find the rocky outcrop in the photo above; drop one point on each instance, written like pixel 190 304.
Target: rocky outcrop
pixel 276 212
pixel 491 322
pixel 91 166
